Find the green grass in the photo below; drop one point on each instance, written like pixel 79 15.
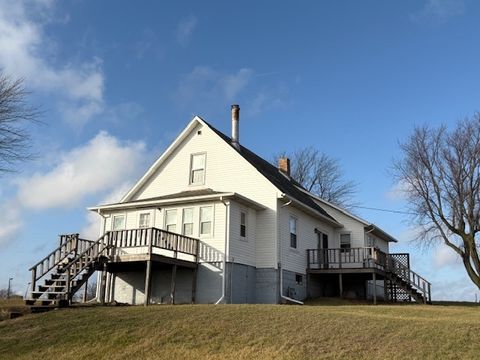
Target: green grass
pixel 245 332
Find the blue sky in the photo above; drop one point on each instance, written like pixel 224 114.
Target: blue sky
pixel 118 80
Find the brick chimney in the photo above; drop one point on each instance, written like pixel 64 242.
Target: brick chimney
pixel 284 165
pixel 235 126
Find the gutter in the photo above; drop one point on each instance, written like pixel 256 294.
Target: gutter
pixel 224 276
pixel 279 263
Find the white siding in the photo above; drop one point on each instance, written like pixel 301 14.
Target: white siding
pixel 296 259
pixel 227 171
pixel 242 250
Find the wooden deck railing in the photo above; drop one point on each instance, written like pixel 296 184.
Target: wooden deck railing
pixel 153 238
pixel 365 257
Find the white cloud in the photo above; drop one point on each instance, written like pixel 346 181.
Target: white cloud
pixel 444 256
pixel 25 54
pixel 398 191
pixel 10 221
pixel 439 10
pixel 207 85
pixel 101 165
pixel 185 28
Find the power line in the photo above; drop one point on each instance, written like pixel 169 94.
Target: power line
pixel 384 210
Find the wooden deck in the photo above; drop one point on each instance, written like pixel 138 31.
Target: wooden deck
pixel 400 282
pixel 68 268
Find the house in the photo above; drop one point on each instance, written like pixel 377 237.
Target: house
pixel 212 222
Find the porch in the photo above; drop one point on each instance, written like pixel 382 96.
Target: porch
pixel 387 275
pixel 68 268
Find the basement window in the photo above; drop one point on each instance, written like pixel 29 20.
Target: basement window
pixel 293 232
pixel 197 169
pixel 299 279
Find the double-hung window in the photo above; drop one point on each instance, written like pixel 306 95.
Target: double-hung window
pixel 187 221
pixel 171 220
pixel 293 232
pixel 144 220
pixel 206 220
pixel 197 169
pixel 118 222
pixel 345 242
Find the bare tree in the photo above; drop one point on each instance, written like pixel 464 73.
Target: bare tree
pixel 440 175
pixel 14 114
pixel 321 175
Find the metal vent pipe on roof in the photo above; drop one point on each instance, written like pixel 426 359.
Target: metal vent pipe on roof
pixel 235 125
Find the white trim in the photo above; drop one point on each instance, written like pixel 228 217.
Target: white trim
pixel 210 234
pixel 174 201
pixel 192 124
pixel 190 172
pixel 124 221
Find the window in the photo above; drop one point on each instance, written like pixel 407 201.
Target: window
pixel 144 220
pixel 171 220
pixel 299 279
pixel 293 232
pixel 206 220
pixel 197 169
pixel 345 242
pixel 118 222
pixel 187 226
pixel 371 242
pixel 243 224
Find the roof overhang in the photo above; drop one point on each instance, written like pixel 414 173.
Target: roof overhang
pixel 288 199
pixel 149 203
pixel 373 229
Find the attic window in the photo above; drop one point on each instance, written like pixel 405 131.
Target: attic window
pixel 197 169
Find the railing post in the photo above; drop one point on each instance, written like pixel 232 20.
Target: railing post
pixel 424 294
pixel 340 258
pixel 150 243
pixel 429 294
pixel 68 286
pixel 34 278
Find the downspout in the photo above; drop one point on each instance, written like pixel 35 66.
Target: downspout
pixel 224 276
pixel 280 265
pixel 95 299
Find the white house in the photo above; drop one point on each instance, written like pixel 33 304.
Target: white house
pixel 212 222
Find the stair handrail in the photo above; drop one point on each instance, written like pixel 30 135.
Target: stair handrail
pixel 98 242
pixel 410 277
pixel 64 248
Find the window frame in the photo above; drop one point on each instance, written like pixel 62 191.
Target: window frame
pixel 346 249
pixel 297 281
pixel 140 218
pixel 190 173
pixel 124 222
pixel 293 241
pixel 192 222
pixel 211 207
pixel 166 224
pixel 244 225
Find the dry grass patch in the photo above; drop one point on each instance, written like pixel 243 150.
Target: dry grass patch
pixel 245 332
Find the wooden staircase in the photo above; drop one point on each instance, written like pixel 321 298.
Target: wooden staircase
pixel 404 284
pixel 65 270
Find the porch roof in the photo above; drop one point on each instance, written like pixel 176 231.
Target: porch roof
pixel 191 196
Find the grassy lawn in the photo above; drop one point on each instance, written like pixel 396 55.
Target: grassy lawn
pixel 245 332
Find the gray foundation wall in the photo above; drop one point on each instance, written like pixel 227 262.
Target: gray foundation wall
pixel 292 288
pixel 244 285
pixel 241 284
pixel 266 286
